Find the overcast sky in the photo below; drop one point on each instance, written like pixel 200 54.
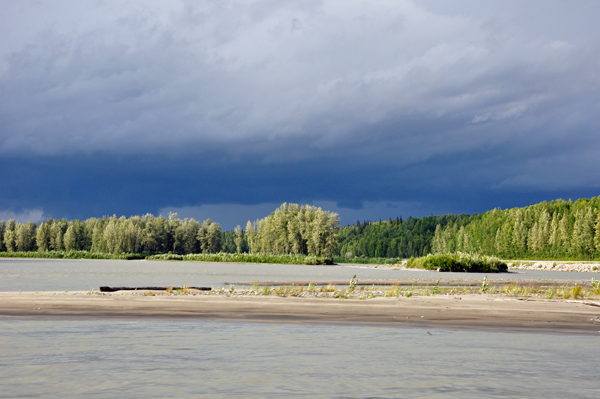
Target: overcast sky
pixel 226 109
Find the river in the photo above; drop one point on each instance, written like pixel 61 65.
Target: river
pixel 85 274
pixel 169 357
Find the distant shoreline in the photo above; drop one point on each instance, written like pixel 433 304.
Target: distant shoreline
pixel 478 311
pixel 540 265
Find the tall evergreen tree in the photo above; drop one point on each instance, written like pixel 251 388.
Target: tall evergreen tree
pixel 583 232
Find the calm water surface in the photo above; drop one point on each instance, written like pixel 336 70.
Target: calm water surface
pixel 148 358
pixel 59 274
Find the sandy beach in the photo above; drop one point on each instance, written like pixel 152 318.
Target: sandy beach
pixel 468 311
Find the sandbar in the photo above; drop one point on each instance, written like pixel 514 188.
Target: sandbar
pixel 479 311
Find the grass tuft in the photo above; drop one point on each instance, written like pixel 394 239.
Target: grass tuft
pixel 247 258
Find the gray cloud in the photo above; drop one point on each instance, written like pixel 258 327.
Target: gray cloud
pixel 231 215
pixel 29 215
pixel 389 83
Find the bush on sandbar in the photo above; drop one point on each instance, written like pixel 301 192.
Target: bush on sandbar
pixel 367 261
pixel 459 262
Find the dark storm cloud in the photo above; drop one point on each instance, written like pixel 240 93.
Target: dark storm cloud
pixel 81 187
pixel 109 107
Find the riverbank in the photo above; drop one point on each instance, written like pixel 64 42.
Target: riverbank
pixel 558 266
pixel 538 265
pixel 548 265
pixel 468 311
pixel 206 257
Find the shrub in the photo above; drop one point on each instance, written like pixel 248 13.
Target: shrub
pixel 459 262
pixel 248 258
pixel 70 255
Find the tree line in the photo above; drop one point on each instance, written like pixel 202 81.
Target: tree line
pixel 555 229
pixel 290 229
pixel 137 234
pixel 395 238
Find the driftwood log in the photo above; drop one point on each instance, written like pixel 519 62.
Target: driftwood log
pixel 113 289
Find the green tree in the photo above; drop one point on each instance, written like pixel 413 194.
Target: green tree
pixel 534 241
pixel 554 237
pixel 25 236
pixel 70 239
pixel 209 236
pixel 519 237
pixel 239 238
pixel 2 231
pixel 292 229
pixel 251 236
pixel 583 232
pixel 564 233
pixel 10 236
pixel 155 234
pixel 597 234
pixel 98 243
pixel 112 237
pixel 464 240
pixel 57 230
pixel 505 241
pixel 543 235
pixel 439 244
pixel 43 237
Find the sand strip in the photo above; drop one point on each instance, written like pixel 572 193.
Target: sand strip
pixel 420 283
pixel 472 311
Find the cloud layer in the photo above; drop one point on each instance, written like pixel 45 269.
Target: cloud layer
pixel 504 93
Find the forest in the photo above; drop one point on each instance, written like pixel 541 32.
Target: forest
pixel 137 234
pixel 395 238
pixel 291 229
pixel 557 229
pixel 549 230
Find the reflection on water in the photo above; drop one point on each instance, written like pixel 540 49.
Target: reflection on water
pixel 114 357
pixel 59 274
